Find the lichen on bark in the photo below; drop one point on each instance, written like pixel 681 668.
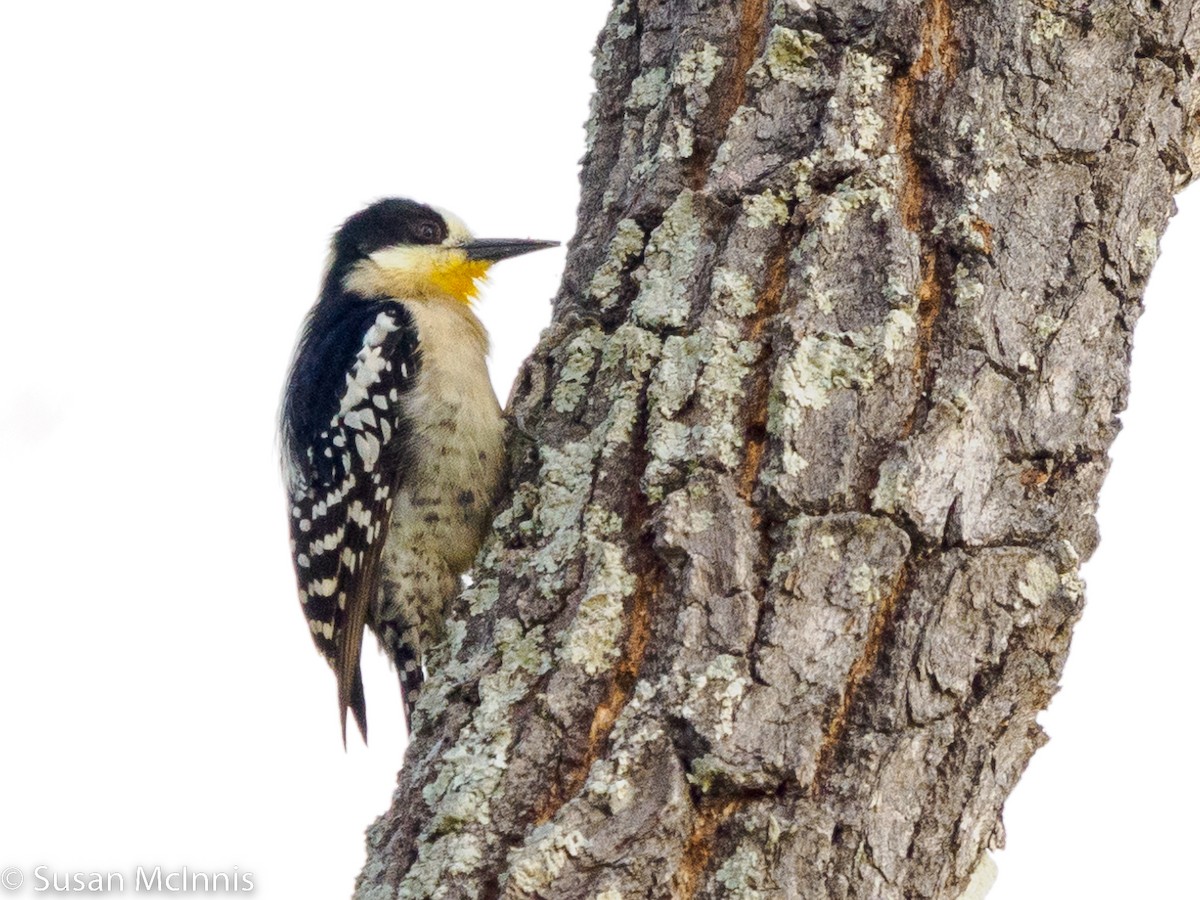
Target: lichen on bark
pixel 808 459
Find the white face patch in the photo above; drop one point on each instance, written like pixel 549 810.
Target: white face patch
pixel 413 258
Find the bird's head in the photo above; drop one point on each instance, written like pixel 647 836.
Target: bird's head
pixel 400 248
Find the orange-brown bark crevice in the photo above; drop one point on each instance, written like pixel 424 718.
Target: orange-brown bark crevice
pixel 698 848
pixel 881 622
pixel 750 36
pixel 625 672
pixel 730 93
pixel 770 299
pixel 938 53
pixel 625 675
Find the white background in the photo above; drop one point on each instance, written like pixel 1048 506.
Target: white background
pixel 170 176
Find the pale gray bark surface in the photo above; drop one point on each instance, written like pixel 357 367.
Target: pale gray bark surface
pixel 811 453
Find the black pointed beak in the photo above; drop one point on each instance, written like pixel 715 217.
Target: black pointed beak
pixel 495 249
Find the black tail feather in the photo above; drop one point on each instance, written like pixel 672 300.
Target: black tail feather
pixel 356 702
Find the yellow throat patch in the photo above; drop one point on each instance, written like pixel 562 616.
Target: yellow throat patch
pixel 459 277
pixel 418 273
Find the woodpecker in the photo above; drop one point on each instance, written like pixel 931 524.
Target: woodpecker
pixel 392 438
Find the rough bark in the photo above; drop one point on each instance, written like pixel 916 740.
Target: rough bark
pixel 808 459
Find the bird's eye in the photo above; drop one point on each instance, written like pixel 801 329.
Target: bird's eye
pixel 429 232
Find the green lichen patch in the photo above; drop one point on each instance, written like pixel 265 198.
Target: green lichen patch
pixel 684 514
pixel 649 89
pixel 800 172
pixel 566 482
pixel 1147 250
pixel 682 147
pixel 787 57
pixel 1048 26
pixel 766 210
pixel 626 244
pixel 671 386
pixel 674 377
pixel 708 368
pixel 517 516
pixel 743 875
pixel 857 124
pixel 1046 326
pixel 721 392
pixel 713 696
pixel 610 780
pixel 481 597
pixel 533 867
pixel 470 771
pixel 452 857
pixel 669 444
pixel 820 364
pixel 616 28
pixel 592 640
pixel 633 352
pixel 694 73
pixel 851 195
pixel 733 293
pixel 898 329
pixel 665 277
pixel 575 374
pixel 967 288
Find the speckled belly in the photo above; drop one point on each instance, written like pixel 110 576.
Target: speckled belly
pixel 446 504
pixel 443 508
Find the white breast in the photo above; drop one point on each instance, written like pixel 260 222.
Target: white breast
pixel 457 433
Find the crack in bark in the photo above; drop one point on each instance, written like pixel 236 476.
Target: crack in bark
pixel 625 675
pixel 751 32
pixel 758 401
pixel 697 850
pixel 937 54
pixel 769 302
pixel 881 622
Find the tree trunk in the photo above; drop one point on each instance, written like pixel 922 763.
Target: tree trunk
pixel 807 462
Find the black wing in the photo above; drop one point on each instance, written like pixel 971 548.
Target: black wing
pixel 345 447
